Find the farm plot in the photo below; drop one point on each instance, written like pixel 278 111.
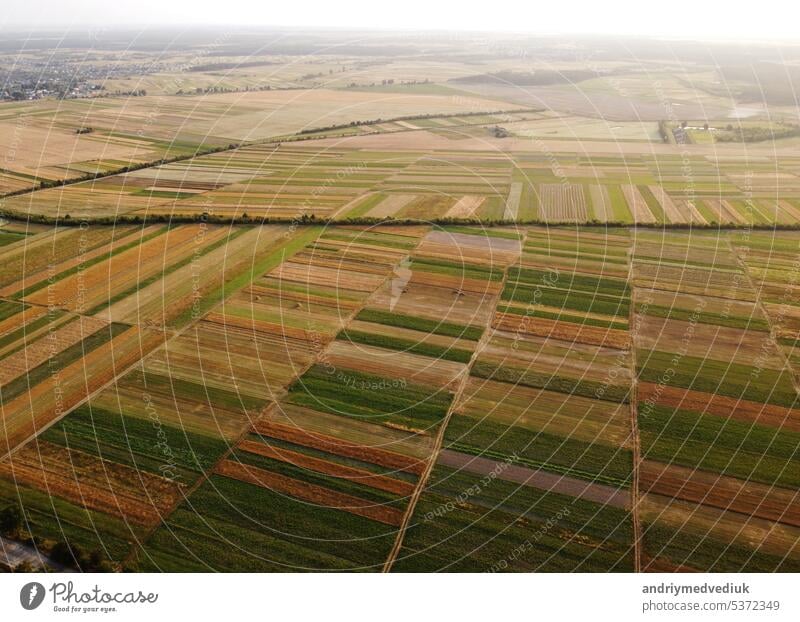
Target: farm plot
pixel 574 297
pixel 122 270
pixel 344 448
pixel 159 426
pixel 556 367
pixel 284 182
pixel 317 457
pixel 484 519
pixel 46 393
pixel 770 262
pixel 563 203
pixel 53 251
pixel 541 432
pixel 320 482
pixel 716 411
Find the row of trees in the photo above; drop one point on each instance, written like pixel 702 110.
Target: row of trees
pixel 70 555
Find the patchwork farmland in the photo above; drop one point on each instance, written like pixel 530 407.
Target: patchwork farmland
pixel 407 398
pixel 399 304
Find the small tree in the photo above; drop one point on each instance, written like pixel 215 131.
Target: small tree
pixel 11 519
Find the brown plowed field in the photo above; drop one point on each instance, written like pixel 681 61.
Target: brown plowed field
pixel 566 331
pixel 326 467
pixel 331 445
pixel 726 493
pixel 310 493
pixel 721 406
pixel 94 483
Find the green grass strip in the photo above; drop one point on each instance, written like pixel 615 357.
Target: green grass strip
pixel 387 318
pixel 405 345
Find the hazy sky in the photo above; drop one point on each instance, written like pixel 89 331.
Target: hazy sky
pixel 756 19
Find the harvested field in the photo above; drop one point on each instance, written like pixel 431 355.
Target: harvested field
pixel 96 484
pixel 726 493
pixel 566 331
pixel 465 207
pixel 563 203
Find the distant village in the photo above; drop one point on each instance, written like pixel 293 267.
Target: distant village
pixel 26 80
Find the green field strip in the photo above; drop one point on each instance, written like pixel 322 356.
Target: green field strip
pixel 595 462
pixel 721 377
pixel 47 517
pixel 705 317
pixel 550 382
pixel 406 345
pixel 365 205
pixel 274 258
pixel 371 398
pixel 500 518
pixel 652 204
pixel 225 521
pixel 136 442
pixel 434 327
pixel 367 494
pixel 619 206
pixel 748 451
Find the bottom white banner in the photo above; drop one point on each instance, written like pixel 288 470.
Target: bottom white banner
pixel 399 597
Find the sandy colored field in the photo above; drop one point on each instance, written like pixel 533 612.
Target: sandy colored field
pixel 435 303
pixel 563 202
pixel 394 365
pixel 637 204
pixel 465 207
pixel 568 416
pixel 689 280
pixel 721 343
pixel 723 526
pixel 83 290
pixel 567 331
pixel 345 436
pixel 726 493
pixel 484 249
pixel 391 205
pixel 560 484
pixel 55 396
pixel 40 351
pixel 672 212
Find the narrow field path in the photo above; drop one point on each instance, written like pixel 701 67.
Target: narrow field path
pixel 635 442
pixel 277 395
pixel 439 440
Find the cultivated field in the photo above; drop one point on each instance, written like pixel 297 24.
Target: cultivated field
pixel 318 307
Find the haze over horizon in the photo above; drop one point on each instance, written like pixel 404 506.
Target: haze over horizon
pixel 714 20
